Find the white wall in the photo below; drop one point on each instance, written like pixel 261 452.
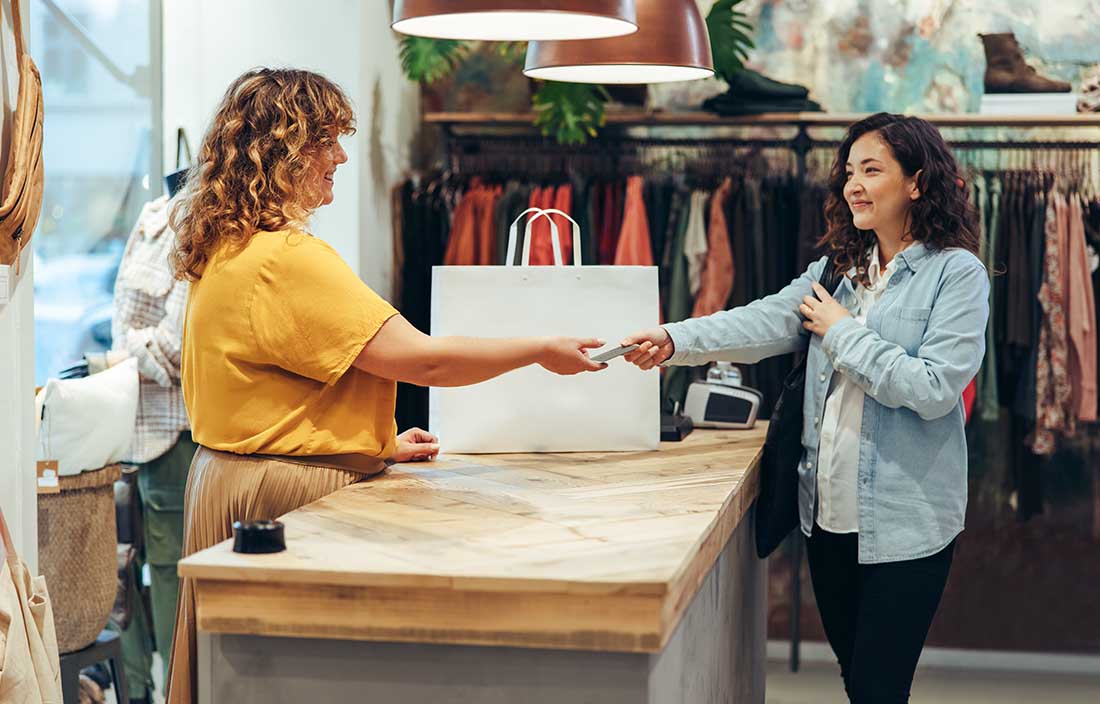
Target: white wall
pixel 18 497
pixel 208 43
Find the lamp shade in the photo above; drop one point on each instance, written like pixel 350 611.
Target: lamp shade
pixel 671 44
pixel 514 20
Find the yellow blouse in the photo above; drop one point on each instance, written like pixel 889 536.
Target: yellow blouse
pixel 270 333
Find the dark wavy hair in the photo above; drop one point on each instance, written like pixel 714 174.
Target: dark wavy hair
pixel 941 217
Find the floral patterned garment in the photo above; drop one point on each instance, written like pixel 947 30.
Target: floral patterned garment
pixel 1054 412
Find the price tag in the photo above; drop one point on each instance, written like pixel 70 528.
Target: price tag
pixel 48 478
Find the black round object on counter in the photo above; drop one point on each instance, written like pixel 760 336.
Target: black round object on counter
pixel 257 537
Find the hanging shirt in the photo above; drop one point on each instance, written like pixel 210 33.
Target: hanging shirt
pixel 542 249
pixel 610 218
pixel 634 247
pixel 990 403
pixel 718 274
pixel 1054 410
pixel 563 201
pixel 148 325
pixel 838 453
pixel 1081 316
pixel 513 201
pixel 473 233
pixel 695 240
pixel 462 243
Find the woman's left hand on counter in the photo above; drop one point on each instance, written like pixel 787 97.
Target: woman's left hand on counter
pixel 416 445
pixel 821 312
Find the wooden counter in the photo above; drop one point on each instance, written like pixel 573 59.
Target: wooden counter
pixel 580 552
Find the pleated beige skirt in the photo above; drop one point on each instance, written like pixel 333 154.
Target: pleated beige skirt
pixel 223 488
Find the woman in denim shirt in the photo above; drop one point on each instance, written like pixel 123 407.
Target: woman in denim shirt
pixel 883 473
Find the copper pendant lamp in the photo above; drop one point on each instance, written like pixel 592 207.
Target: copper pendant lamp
pixel 514 20
pixel 671 44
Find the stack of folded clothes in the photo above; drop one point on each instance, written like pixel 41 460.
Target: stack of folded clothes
pixel 751 93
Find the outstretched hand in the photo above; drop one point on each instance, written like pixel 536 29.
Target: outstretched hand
pixel 654 347
pixel 569 355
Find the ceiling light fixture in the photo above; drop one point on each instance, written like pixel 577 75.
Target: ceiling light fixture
pixel 671 44
pixel 514 20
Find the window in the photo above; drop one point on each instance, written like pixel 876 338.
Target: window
pixel 101 95
pixel 62 58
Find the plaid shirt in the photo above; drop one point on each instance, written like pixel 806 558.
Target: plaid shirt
pixel 148 326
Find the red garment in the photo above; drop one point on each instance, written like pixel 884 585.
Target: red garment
pixel 563 201
pixel 542 248
pixel 634 247
pixel 603 224
pixel 969 393
pixel 717 277
pixel 611 223
pixel 460 245
pixel 533 201
pixel 487 227
pixel 473 232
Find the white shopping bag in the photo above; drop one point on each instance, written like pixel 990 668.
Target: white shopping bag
pixel 531 409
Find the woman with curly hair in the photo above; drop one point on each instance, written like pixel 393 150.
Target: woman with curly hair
pixel 289 361
pixel 883 482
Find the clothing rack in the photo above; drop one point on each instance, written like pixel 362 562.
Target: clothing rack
pixel 470 133
pixel 481 134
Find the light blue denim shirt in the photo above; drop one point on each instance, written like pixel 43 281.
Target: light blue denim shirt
pixel 922 344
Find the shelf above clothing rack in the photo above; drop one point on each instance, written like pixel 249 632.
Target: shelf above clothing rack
pixel 799 119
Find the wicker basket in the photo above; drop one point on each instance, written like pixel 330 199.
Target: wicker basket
pixel 77 554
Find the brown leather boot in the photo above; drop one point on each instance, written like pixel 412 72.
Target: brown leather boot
pixel 1007 72
pixel 1089 99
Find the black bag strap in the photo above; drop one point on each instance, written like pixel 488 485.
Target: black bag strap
pixel 830 276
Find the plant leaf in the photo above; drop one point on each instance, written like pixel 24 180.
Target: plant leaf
pixel 427 60
pixel 570 112
pixel 730 40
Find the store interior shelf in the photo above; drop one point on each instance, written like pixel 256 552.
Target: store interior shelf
pixel 807 119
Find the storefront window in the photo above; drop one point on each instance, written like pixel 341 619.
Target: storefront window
pixel 99 87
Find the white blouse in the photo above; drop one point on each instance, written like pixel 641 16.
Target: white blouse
pixel 838 451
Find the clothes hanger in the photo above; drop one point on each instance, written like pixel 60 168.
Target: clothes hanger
pixel 175 180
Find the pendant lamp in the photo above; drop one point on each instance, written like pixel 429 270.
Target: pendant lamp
pixel 671 44
pixel 514 20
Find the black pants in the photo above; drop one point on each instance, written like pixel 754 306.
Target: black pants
pixel 876 617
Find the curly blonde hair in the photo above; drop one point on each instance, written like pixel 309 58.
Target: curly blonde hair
pixel 249 175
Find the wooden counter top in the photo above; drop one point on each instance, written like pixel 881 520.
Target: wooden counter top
pixel 591 551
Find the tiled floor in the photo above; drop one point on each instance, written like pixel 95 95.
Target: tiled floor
pixel 820 684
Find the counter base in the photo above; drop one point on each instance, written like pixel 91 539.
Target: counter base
pixel 716 654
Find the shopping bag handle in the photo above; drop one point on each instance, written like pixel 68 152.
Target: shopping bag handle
pixel 576 236
pixel 513 231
